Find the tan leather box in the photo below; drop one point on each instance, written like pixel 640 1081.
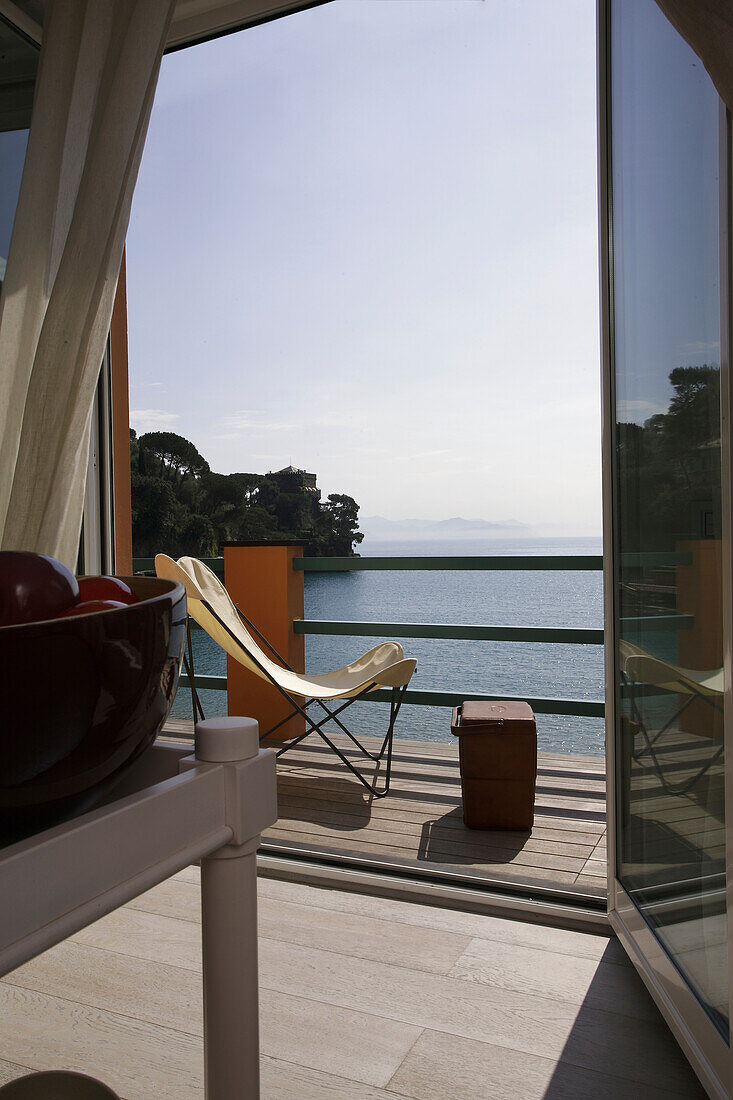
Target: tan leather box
pixel 498 760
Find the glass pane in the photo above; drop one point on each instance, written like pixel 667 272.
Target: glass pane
pixel 664 148
pixel 18 64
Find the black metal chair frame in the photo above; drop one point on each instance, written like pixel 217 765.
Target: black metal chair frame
pixel 651 741
pixel 398 694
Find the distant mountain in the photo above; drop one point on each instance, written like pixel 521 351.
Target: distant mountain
pixel 456 528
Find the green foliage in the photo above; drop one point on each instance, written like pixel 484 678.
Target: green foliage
pixel 180 506
pixel 337 527
pixel 177 458
pixel 155 514
pixel 669 467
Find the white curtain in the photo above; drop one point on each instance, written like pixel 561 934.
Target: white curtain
pixel 707 25
pixel 98 71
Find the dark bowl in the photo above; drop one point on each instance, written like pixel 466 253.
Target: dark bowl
pixel 81 699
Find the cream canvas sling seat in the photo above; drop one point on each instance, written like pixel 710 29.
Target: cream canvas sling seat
pixel 385 666
pixel 638 669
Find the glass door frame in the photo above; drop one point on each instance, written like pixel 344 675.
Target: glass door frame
pixel 97 549
pixel 705 1048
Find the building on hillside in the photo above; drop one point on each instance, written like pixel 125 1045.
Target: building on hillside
pixel 291 480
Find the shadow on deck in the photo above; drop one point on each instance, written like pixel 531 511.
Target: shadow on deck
pixel 419 824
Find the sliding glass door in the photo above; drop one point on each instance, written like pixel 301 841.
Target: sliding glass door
pixel 665 151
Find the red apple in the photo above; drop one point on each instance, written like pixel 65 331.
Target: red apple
pixel 105 588
pixel 90 607
pixel 33 587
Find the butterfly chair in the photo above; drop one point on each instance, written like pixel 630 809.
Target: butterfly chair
pixel 211 606
pixel 639 669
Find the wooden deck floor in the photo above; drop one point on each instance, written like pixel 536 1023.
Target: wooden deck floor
pixel 420 822
pixel 361 998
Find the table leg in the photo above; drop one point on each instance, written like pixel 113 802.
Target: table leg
pixel 231 1009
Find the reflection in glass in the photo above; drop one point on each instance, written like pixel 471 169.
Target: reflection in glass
pixel 18 64
pixel 664 151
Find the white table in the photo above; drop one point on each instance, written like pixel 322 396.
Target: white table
pixel 174 808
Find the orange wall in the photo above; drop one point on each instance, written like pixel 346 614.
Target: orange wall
pixel 263 583
pixel 699 593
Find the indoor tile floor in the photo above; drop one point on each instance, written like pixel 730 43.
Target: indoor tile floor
pixel 361 998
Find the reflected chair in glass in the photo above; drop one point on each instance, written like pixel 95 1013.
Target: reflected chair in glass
pixel 639 670
pixel 385 666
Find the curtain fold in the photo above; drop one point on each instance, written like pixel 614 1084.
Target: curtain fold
pixel 707 26
pixel 96 82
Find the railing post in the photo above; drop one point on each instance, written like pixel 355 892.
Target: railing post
pixel 261 580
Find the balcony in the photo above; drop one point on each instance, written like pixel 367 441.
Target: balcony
pixel 418 831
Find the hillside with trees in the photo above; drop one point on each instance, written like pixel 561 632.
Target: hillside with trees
pixel 669 466
pixel 180 506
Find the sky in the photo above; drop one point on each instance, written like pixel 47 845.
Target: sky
pixel 666 211
pixel 364 242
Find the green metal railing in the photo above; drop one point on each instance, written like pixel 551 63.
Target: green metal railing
pixel 547 562
pixel 587 708
pixel 451 564
pixel 575 636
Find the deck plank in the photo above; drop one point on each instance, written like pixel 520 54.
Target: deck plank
pixel 437 848
pixel 421 820
pixel 323 808
pixel 505 871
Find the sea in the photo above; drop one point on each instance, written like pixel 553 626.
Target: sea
pixel 571 598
